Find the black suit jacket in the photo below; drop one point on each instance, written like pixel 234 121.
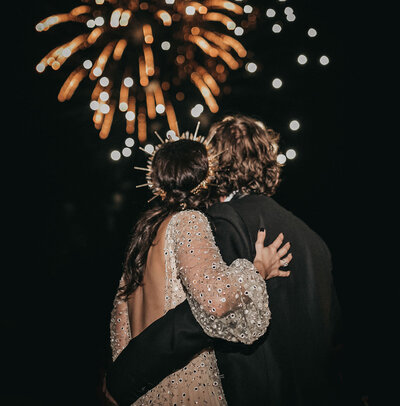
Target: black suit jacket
pixel 292 364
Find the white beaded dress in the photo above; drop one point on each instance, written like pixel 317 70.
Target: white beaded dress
pixel 229 302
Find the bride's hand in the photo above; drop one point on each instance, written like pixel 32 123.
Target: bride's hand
pixel 269 259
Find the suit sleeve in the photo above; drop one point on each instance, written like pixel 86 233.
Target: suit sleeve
pixel 165 346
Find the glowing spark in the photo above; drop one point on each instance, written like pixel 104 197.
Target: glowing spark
pixel 179 42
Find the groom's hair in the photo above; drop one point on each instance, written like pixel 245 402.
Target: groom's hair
pixel 248 152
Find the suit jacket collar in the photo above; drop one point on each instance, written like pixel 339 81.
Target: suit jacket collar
pixel 236 195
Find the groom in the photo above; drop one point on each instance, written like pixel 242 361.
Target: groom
pixel 292 364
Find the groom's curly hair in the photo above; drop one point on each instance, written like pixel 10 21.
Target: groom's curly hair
pixel 248 152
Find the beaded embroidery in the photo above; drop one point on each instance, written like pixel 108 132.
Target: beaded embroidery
pixel 229 302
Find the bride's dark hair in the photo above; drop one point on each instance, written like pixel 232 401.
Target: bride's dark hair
pixel 177 168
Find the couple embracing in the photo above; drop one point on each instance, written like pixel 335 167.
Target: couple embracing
pixel 226 297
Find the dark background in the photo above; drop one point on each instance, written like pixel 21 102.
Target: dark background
pixel 70 208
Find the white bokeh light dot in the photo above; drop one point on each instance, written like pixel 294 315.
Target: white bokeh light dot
pixel 302 59
pixel 312 32
pixel 276 28
pixel 123 106
pixel 130 142
pixel 324 60
pixel 99 21
pixel 239 31
pixel 281 158
pixel 171 135
pixel 277 83
pixel 290 17
pixel 87 64
pixel 130 115
pixel 104 108
pixel 231 25
pixel 104 81
pixel 97 72
pixel 126 152
pixel 251 67
pixel 115 155
pixel 291 154
pixel 128 81
pixel 270 13
pixel 160 108
pixel 190 10
pixel 104 96
pixel 247 9
pixel 149 148
pixel 197 110
pixel 294 125
pixel 165 45
pixel 94 105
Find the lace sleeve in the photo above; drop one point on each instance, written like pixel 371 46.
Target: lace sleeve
pixel 229 302
pixel 120 332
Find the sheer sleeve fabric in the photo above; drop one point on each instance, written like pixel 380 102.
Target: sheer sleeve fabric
pixel 229 302
pixel 120 332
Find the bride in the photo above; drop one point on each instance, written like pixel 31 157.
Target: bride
pixel 172 256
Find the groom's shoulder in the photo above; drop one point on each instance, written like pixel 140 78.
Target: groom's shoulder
pixel 243 204
pixel 253 210
pixel 222 211
pixel 241 207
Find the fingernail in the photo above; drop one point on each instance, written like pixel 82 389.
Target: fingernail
pixel 262 229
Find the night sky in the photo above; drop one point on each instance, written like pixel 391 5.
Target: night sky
pixel 72 208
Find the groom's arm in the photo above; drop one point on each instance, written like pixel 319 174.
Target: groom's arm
pixel 172 341
pixel 165 346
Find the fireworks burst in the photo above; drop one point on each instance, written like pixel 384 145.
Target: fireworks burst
pixel 138 53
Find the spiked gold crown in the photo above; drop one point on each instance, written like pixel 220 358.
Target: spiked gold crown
pixel 212 162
